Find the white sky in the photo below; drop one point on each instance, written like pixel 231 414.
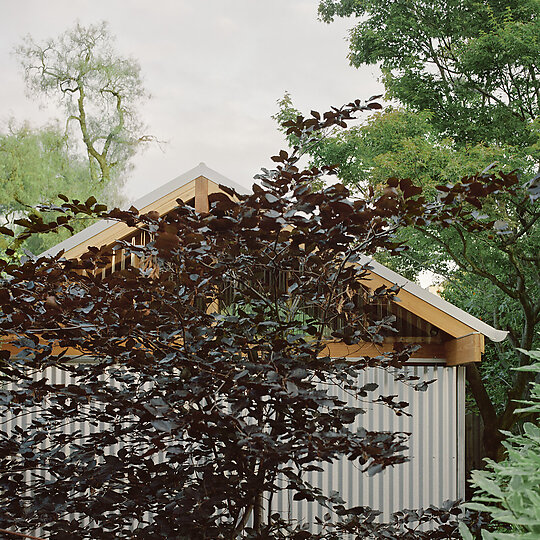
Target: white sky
pixel 214 68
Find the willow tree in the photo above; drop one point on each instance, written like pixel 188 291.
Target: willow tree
pixel 36 165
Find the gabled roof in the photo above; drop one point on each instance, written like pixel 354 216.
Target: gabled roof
pixel 412 297
pixel 161 199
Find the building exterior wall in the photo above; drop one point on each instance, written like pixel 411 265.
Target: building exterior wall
pixel 435 470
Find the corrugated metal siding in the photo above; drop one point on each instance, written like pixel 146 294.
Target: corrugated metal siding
pixel 434 473
pixel 435 451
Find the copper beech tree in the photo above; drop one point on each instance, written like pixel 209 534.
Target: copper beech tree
pixel 202 373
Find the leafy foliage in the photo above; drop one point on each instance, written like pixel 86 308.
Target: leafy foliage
pixel 510 490
pixel 205 361
pixel 467 76
pixel 211 405
pixel 493 273
pixel 405 144
pixel 98 89
pixel 500 259
pixel 36 165
pixel 425 523
pixel 473 64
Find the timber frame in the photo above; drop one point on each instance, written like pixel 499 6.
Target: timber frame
pixel 463 335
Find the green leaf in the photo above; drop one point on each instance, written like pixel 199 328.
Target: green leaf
pixel 464 531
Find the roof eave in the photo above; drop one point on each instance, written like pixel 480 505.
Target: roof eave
pixel 147 200
pixel 475 324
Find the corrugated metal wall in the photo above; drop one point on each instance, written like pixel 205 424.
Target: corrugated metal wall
pixel 436 449
pixel 434 473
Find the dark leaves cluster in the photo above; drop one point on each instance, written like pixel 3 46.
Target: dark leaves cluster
pixel 361 522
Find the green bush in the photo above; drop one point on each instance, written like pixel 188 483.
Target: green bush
pixel 510 490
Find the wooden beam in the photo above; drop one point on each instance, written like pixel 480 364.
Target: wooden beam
pixel 56 349
pixel 201 194
pixel 340 349
pixel 456 352
pixel 336 349
pixel 121 230
pixel 464 350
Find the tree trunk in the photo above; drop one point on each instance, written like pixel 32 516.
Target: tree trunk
pixel 493 423
pixel 492 436
pixel 258 512
pixel 493 442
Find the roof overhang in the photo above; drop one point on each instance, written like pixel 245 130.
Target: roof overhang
pixel 161 200
pixel 429 306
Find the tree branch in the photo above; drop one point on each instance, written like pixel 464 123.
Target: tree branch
pixel 21 535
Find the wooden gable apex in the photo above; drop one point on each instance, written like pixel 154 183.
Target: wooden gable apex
pixel 196 184
pixel 465 332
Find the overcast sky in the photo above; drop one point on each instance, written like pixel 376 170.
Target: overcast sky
pixel 214 68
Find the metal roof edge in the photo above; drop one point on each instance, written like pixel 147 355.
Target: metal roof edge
pixel 423 294
pixel 162 191
pixel 79 237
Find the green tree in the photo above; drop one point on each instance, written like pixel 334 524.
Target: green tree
pixel 467 74
pixel 503 263
pixel 36 165
pixel 99 90
pixel 473 64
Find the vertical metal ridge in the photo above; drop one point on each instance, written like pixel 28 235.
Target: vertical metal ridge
pixel 460 435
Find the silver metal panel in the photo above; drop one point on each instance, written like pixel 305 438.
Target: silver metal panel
pixel 433 474
pixel 460 442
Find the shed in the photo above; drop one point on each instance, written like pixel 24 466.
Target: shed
pixel 448 338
